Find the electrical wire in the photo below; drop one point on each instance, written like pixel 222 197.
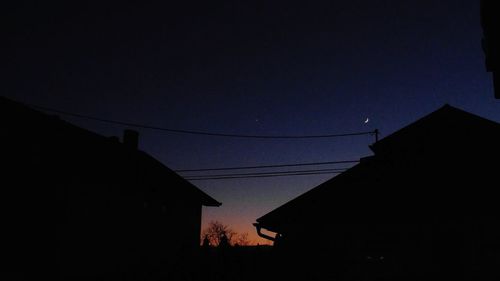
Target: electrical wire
pixel 260 176
pixel 271 173
pixel 182 131
pixel 268 166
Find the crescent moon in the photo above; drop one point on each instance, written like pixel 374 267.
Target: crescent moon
pixel 367 120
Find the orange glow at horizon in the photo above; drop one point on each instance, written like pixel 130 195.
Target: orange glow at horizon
pixel 240 228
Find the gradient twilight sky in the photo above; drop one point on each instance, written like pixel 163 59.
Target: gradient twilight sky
pixel 253 67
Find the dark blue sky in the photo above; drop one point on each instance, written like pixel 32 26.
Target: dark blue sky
pixel 252 68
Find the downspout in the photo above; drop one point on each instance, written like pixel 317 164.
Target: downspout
pixel 259 232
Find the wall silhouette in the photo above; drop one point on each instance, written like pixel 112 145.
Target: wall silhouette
pixel 104 209
pixel 423 207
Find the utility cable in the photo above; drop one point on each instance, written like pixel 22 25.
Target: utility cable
pixel 270 173
pixel 182 131
pixel 260 176
pixel 268 166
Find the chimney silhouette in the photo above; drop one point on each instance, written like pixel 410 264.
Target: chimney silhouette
pixel 131 139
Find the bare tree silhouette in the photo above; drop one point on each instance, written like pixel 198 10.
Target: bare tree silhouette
pixel 211 236
pixel 241 239
pixel 215 231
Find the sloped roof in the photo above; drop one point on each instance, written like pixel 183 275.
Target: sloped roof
pixel 168 176
pixel 324 194
pixel 447 121
pixel 455 127
pixel 24 122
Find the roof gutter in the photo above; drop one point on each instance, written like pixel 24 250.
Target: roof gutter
pixel 259 232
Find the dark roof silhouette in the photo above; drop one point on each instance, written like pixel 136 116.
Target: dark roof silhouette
pixel 50 131
pixel 449 135
pixel 446 123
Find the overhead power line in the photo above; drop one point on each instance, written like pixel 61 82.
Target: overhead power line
pixel 269 173
pixel 182 131
pixel 268 166
pixel 260 176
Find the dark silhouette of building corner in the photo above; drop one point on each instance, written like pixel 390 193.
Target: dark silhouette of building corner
pixel 424 206
pixel 105 209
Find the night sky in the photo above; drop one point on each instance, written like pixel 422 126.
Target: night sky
pixel 254 67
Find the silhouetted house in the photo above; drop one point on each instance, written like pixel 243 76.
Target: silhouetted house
pixel 424 206
pixel 96 208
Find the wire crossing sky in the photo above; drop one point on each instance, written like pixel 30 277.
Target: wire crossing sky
pixel 271 175
pixel 269 166
pixel 137 125
pixel 275 173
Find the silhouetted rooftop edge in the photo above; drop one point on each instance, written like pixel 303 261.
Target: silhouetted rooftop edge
pixel 166 172
pixel 441 118
pixel 446 113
